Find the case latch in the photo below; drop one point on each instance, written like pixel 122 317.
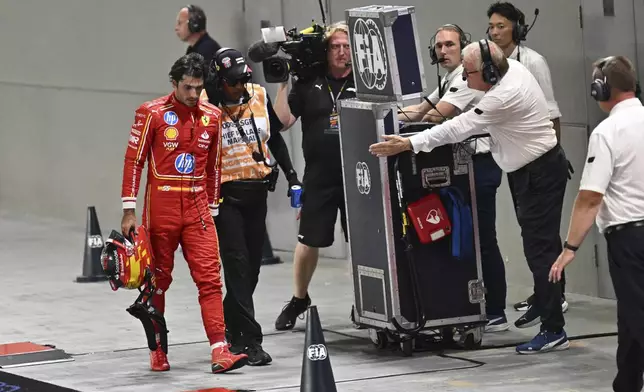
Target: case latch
pixel 476 291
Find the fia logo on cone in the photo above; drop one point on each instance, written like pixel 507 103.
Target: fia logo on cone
pixel 316 352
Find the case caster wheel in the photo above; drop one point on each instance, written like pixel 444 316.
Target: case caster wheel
pixel 447 335
pixel 378 338
pixel 407 347
pixel 472 339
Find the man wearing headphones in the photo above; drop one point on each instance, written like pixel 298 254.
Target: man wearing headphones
pixel 249 128
pixel 507 28
pixel 514 111
pixel 449 99
pixel 191 28
pixel 611 194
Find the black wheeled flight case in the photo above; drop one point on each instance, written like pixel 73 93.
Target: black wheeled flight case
pixel 410 287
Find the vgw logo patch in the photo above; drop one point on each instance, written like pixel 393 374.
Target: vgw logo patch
pixel 370 54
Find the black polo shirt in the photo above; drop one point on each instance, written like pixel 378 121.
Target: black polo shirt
pixel 313 102
pixel 206 46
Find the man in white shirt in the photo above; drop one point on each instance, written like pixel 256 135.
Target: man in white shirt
pixel 514 112
pixel 449 99
pixel 611 193
pixel 507 28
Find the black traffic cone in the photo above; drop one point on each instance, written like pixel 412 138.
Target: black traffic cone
pixel 267 252
pixel 317 374
pixel 92 269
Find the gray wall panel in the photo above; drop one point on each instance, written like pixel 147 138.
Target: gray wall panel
pixel 66 152
pixel 102 45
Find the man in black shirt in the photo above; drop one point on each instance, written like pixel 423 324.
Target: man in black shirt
pixel 191 28
pixel 315 101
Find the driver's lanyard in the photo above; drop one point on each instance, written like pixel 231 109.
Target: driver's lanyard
pixel 334 99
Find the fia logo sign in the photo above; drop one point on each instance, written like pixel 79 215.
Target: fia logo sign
pixel 370 54
pixel 95 241
pixel 363 178
pixel 316 352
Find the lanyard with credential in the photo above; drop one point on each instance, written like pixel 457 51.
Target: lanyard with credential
pixel 335 98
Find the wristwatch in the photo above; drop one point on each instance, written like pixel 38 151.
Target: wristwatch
pixel 566 245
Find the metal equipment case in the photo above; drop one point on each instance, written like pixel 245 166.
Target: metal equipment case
pixel 387 61
pixel 395 290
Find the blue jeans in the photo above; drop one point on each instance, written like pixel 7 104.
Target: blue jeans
pixel 487 177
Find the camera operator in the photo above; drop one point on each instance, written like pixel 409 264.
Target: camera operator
pixel 507 28
pixel 449 99
pixel 315 100
pixel 249 127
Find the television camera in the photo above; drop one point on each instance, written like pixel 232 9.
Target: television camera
pixel 306 52
pixel 303 53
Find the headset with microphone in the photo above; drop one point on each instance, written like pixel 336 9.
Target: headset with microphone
pixel 464 40
pixel 520 29
pixel 196 19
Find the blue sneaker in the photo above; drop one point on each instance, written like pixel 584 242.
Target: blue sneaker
pixel 497 324
pixel 544 342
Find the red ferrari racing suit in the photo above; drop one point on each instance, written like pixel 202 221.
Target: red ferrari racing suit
pixel 182 146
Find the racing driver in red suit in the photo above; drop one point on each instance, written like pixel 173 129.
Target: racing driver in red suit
pixel 180 138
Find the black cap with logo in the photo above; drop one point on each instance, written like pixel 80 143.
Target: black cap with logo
pixel 231 66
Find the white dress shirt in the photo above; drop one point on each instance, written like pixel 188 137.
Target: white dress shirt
pixel 515 114
pixel 538 67
pixel 456 92
pixel 615 165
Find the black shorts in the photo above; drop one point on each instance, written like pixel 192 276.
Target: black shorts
pixel 319 215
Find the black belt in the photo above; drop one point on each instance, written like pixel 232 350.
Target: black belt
pixel 615 228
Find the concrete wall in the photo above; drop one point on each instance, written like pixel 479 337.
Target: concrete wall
pixel 74 71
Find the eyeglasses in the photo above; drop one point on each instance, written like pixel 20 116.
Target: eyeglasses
pixel 234 81
pixel 467 73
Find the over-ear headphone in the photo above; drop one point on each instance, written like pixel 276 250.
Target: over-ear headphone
pixel 196 19
pixel 489 70
pixel 519 27
pixel 599 88
pixel 464 40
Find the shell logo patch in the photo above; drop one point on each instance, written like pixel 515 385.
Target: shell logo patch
pixel 171 133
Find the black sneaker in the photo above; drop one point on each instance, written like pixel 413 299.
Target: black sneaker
pixel 523 305
pixel 236 343
pixel 290 313
pixel 530 318
pixel 257 356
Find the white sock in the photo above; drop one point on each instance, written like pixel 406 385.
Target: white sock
pixel 216 345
